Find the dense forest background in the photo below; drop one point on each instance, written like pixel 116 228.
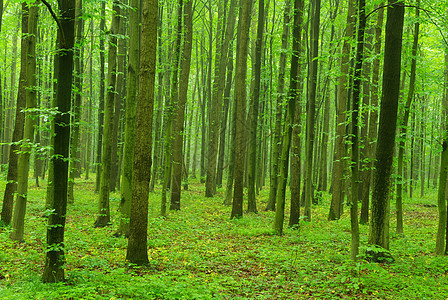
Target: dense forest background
pixel 301 108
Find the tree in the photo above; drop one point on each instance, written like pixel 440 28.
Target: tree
pixel 340 149
pixel 54 259
pixel 441 197
pixel 76 107
pixel 11 185
pixel 218 90
pixel 355 130
pixel 311 108
pixel 379 222
pixel 240 106
pixel 103 217
pixel 137 245
pixel 404 124
pixel 178 155
pixel 277 137
pixel 255 99
pixel 289 120
pixel 131 108
pixel 28 131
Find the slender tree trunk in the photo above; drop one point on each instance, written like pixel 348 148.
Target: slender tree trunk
pixel 11 184
pixel 224 120
pixel 99 152
pixel 23 165
pixel 137 251
pixel 379 223
pixel 103 217
pixel 355 131
pixel 404 124
pixel 277 136
pixel 179 120
pixel 373 119
pixel 55 260
pixel 118 103
pixel 222 47
pixel 293 94
pixel 340 147
pixel 255 99
pixel 131 109
pixel 311 110
pixel 76 107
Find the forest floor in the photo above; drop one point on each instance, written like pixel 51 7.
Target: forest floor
pixel 199 253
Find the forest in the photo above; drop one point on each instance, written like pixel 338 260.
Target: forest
pixel 229 149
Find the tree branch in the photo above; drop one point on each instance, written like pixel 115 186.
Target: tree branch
pixel 57 21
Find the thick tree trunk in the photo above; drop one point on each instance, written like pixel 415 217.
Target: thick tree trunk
pixel 240 106
pixel 137 252
pixel 379 223
pixel 54 262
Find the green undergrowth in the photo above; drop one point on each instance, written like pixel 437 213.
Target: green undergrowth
pixel 199 253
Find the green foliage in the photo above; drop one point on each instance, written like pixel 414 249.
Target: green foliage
pixel 198 253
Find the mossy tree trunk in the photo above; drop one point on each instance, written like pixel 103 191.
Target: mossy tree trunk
pixel 137 245
pixel 240 106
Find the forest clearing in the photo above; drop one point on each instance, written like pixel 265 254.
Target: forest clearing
pixel 199 253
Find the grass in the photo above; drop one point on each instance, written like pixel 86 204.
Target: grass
pixel 199 253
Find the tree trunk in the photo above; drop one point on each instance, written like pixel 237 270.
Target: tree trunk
pixel 179 120
pixel 218 90
pixel 255 99
pixel 311 109
pixel 379 223
pixel 404 124
pixel 137 252
pixel 99 152
pixel 441 199
pixel 11 184
pixel 23 165
pixel 373 119
pixel 277 136
pixel 54 262
pixel 240 106
pixel 131 109
pixel 355 131
pixel 76 107
pixel 292 97
pixel 340 147
pixel 103 217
